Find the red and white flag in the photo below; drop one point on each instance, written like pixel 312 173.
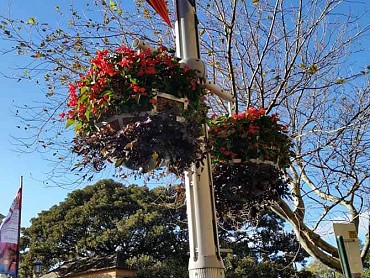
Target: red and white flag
pixel 160 7
pixel 9 237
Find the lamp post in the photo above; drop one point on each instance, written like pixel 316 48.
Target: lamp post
pixel 205 260
pixel 37 267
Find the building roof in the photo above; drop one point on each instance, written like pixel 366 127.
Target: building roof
pixel 87 264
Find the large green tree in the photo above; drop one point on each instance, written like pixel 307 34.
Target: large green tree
pixel 303 59
pixel 263 250
pixel 151 231
pixel 101 217
pixel 320 270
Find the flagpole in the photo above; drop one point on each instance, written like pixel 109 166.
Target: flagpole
pixel 205 260
pixel 19 226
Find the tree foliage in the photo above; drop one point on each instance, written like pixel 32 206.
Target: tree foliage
pixel 320 270
pixel 301 60
pixel 150 230
pixel 264 249
pixel 101 217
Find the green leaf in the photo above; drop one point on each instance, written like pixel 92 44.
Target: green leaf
pixel 113 5
pixel 83 89
pixel 118 162
pixel 78 126
pixel 69 123
pixel 340 81
pixel 312 69
pixel 31 20
pixel 82 98
pixel 87 114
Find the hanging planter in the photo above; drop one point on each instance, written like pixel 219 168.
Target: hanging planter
pixel 248 152
pixel 243 190
pixel 137 109
pixel 145 145
pixel 162 103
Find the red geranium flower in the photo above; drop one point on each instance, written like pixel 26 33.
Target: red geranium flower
pixel 126 80
pixel 249 135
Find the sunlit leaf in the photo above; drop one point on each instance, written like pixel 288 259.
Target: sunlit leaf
pixel 32 20
pixel 69 123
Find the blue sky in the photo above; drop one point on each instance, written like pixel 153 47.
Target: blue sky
pixel 33 166
pixel 13 165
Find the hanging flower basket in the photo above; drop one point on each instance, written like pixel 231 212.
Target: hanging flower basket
pixel 162 103
pixel 251 136
pixel 248 151
pixel 245 189
pixel 144 145
pixel 128 106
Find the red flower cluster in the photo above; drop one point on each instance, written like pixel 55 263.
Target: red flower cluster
pixel 249 135
pixel 125 81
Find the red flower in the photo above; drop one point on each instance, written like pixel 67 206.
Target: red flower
pixel 162 48
pixel 96 87
pixel 150 70
pixel 101 101
pixel 80 84
pixel 144 70
pixel 274 118
pixel 72 100
pixel 137 88
pixel 241 116
pixel 70 115
pixel 108 70
pixel 72 88
pixel 262 111
pixel 124 62
pixel 81 109
pixel 194 85
pixel 92 97
pixel 123 49
pixel 253 128
pixel 127 74
pixel 253 113
pixel 102 81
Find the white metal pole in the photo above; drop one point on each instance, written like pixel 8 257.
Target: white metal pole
pixel 205 260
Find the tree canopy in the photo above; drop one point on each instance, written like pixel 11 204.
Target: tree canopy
pixel 151 232
pixel 301 60
pixel 101 217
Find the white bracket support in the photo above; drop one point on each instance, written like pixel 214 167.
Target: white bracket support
pixel 214 89
pixel 138 44
pixel 195 64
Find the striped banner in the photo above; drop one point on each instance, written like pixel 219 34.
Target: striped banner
pixel 9 238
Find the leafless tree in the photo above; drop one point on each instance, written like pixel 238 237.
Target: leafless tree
pixel 304 59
